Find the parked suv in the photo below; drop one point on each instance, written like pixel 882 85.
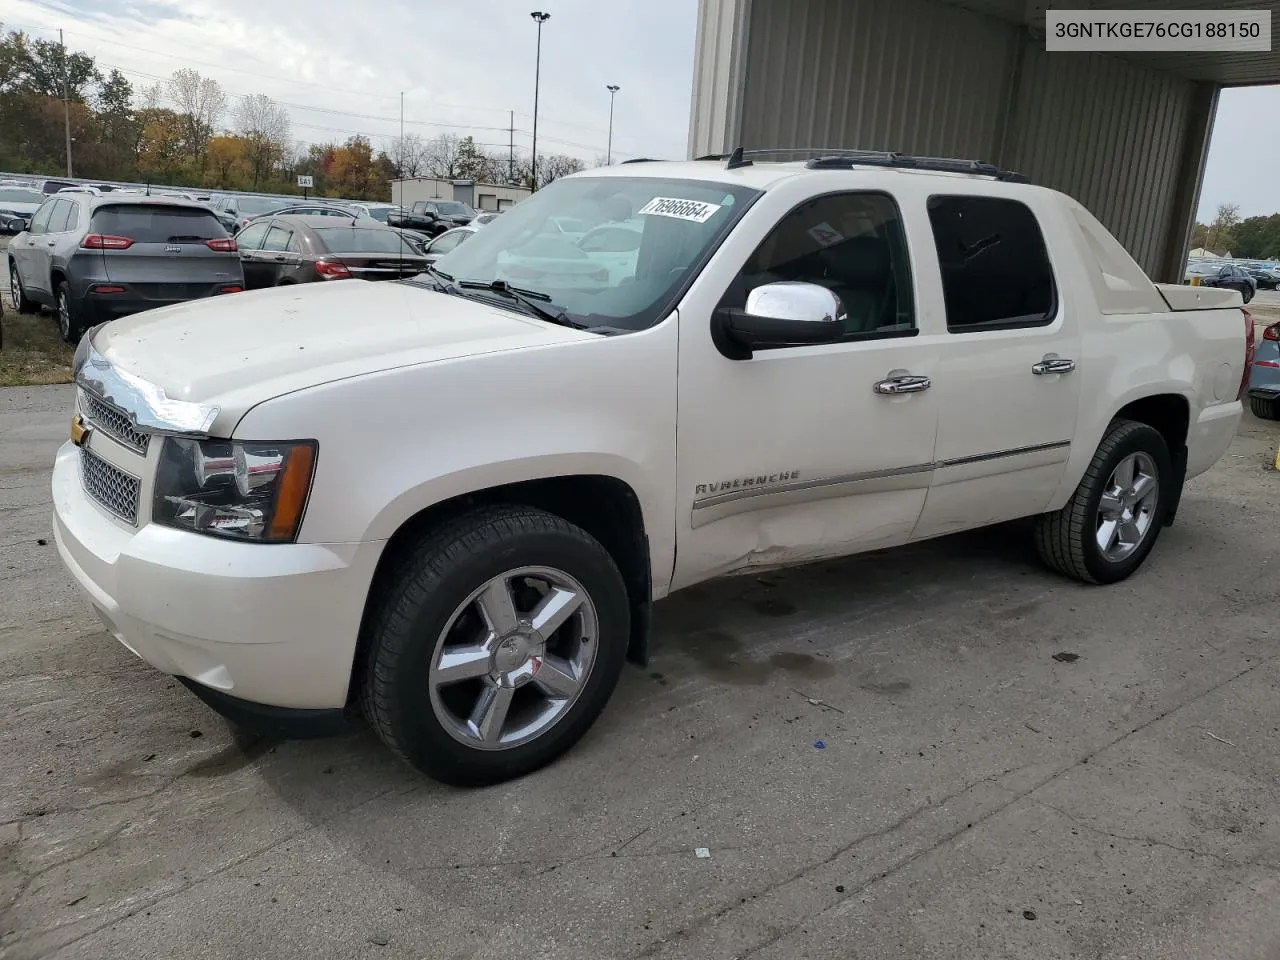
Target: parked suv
pixel 94 258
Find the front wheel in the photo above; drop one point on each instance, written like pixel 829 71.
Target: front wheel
pixel 20 301
pixel 1112 520
pixel 494 644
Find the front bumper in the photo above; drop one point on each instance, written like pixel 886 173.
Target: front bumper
pixel 270 624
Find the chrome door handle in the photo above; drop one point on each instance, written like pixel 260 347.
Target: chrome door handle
pixel 1051 365
pixel 903 384
pixel 50 243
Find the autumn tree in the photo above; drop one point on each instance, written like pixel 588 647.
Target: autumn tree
pixel 441 161
pixel 263 126
pixel 199 104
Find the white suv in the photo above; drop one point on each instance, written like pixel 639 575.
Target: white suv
pixel 451 501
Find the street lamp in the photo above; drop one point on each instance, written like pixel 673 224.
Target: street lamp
pixel 539 18
pixel 613 89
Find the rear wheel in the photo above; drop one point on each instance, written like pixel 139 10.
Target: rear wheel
pixel 20 301
pixel 494 645
pixel 1112 521
pixel 69 314
pixel 1265 408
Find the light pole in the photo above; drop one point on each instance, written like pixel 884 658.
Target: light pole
pixel 539 18
pixel 613 89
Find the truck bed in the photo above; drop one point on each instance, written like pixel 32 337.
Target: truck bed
pixel 1182 297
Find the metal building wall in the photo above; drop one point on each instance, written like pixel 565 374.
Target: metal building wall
pixel 911 75
pixel 1108 133
pixel 924 76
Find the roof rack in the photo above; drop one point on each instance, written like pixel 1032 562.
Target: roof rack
pixel 839 158
pixel 642 160
pixel 905 161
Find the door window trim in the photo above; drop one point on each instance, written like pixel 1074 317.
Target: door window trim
pixel 1050 316
pixel 862 336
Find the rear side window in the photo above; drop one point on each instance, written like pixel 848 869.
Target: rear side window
pixel 358 240
pixel 995 267
pixel 153 223
pixel 58 219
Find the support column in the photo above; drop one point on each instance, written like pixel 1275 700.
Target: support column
pixel 1195 151
pixel 719 76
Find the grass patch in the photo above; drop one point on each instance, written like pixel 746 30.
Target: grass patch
pixel 33 351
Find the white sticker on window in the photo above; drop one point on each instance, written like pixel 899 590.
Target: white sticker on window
pixel 826 234
pixel 694 210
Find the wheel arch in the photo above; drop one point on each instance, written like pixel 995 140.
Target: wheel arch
pixel 604 506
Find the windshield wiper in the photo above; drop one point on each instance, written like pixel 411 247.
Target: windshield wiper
pixel 442 279
pixel 529 298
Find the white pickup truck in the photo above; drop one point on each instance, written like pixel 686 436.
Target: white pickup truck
pixel 451 501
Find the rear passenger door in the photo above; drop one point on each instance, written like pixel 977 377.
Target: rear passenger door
pixel 249 240
pixel 276 257
pixel 40 262
pixel 1006 387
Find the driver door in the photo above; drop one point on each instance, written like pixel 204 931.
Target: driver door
pixel 799 452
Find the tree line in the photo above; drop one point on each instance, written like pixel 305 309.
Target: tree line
pixel 1251 238
pixel 185 131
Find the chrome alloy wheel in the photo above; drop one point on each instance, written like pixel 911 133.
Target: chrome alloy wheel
pixel 15 286
pixel 1127 510
pixel 513 658
pixel 64 314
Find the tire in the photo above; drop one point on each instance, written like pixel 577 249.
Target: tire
pixel 1265 408
pixel 67 310
pixel 20 301
pixel 432 588
pixel 1067 540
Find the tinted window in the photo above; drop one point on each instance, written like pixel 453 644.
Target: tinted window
pixel 73 218
pixel 58 219
pixel 40 222
pixel 250 238
pixel 155 223
pixel 454 209
pixel 361 240
pixel 851 243
pixel 379 213
pixel 277 238
pixel 995 268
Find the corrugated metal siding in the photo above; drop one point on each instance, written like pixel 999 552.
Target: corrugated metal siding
pixel 912 75
pixel 1108 133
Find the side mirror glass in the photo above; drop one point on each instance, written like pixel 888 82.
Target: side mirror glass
pixel 788 313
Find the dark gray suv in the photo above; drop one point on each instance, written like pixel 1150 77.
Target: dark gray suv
pixel 95 258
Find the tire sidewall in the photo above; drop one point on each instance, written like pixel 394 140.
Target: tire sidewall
pixel 66 322
pixel 422 737
pixel 1139 438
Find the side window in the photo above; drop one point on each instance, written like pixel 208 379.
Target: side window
pixel 851 243
pixel 277 238
pixel 73 218
pixel 250 238
pixel 40 222
pixel 58 219
pixel 995 267
pixel 447 241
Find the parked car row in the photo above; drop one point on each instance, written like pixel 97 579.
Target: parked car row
pixel 1216 273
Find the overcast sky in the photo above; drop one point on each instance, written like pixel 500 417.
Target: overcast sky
pixel 339 67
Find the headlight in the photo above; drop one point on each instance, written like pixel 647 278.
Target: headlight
pixel 238 490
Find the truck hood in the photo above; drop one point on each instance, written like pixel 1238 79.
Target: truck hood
pixel 239 349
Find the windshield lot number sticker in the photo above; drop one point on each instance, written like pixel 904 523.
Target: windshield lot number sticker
pixel 693 210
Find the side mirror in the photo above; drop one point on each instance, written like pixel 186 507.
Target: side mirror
pixel 785 314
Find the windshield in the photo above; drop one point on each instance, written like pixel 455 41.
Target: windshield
pixel 378 213
pixel 20 196
pixel 257 204
pixel 451 208
pixel 1202 268
pixel 678 225
pixel 362 240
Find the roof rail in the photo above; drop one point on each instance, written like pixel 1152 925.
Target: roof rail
pixel 904 161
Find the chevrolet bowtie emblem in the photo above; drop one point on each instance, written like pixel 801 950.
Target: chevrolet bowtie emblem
pixel 79 431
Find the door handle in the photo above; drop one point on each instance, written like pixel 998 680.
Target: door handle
pixel 50 243
pixel 279 258
pixel 1053 364
pixel 907 383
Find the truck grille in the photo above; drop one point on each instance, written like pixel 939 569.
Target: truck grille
pixel 114 423
pixel 113 488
